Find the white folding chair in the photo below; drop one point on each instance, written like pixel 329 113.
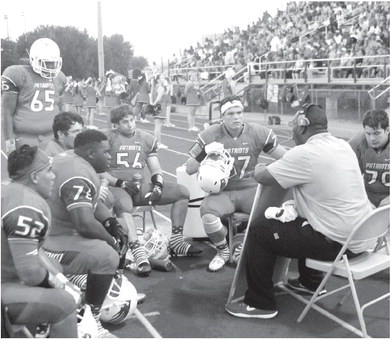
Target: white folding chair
pixel 375 226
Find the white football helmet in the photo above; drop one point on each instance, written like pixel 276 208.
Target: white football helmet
pixel 155 244
pixel 120 302
pixel 214 171
pixel 45 58
pixel 86 324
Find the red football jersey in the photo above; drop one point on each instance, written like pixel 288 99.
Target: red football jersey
pixel 245 149
pixel 129 154
pixel 76 184
pixel 25 220
pixel 37 98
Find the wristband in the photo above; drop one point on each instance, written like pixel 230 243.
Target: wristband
pixel 157 179
pixel 119 183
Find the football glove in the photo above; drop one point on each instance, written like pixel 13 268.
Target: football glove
pixel 132 188
pixel 156 192
pixel 114 228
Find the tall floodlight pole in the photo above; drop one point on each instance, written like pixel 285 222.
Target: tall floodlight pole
pixel 101 57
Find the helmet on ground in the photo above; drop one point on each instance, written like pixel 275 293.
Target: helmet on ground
pixel 120 302
pixel 45 58
pixel 86 324
pixel 155 244
pixel 214 171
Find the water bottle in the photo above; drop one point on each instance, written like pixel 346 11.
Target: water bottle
pixel 137 179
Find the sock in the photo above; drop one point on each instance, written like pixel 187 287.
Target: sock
pixel 177 242
pixel 95 310
pixel 223 250
pixel 97 287
pixel 80 280
pixel 138 252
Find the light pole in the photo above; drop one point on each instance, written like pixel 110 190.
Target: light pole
pixel 8 33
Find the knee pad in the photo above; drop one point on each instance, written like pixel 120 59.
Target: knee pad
pixel 211 223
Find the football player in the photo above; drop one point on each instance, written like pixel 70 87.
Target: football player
pixel 66 126
pixel 31 95
pixel 84 237
pixel 133 152
pixel 32 291
pixel 244 142
pixel 372 148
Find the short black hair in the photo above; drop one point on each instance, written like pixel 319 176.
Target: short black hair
pixel 89 137
pixel 63 122
pixel 20 158
pixel 317 116
pixel 375 119
pixel 118 112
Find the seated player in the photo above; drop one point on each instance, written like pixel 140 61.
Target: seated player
pixel 134 151
pixel 84 237
pixel 244 142
pixel 372 148
pixel 66 126
pixel 32 291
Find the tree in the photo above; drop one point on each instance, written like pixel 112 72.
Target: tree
pixel 138 62
pixel 79 51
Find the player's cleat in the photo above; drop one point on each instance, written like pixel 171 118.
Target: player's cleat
pixel 140 298
pixel 42 331
pixel 243 310
pixel 219 259
pixel 143 269
pixel 187 250
pixel 194 129
pixel 162 146
pixel 102 332
pixel 294 284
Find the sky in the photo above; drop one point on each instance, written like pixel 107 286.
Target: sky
pixel 155 28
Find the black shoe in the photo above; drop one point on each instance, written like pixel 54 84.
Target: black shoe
pixel 294 284
pixel 188 251
pixel 144 269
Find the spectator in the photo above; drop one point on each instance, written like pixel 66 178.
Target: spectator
pixel 32 291
pixel 79 95
pixel 228 84
pixel 311 170
pixel 159 103
pixel 91 95
pixel 192 94
pixel 372 148
pixel 143 98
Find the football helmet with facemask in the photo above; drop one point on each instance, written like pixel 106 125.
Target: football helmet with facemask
pixel 120 302
pixel 45 58
pixel 86 324
pixel 214 171
pixel 156 244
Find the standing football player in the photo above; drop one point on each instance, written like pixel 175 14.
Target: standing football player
pixel 32 291
pixel 134 151
pixel 372 148
pixel 244 142
pixel 31 95
pixel 84 237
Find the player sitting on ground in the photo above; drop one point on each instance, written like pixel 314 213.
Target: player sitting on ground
pixel 32 291
pixel 244 142
pixel 134 151
pixel 372 148
pixel 84 237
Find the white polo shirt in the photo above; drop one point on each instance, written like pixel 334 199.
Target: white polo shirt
pixel 327 186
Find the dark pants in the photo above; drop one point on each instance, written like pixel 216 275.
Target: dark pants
pixel 269 238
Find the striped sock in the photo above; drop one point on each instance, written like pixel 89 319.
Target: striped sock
pixel 177 242
pixel 138 252
pixel 80 280
pixel 223 251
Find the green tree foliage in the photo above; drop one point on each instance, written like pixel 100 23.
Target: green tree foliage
pixel 138 62
pixel 79 51
pixel 9 54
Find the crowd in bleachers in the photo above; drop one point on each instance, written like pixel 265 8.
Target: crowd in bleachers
pixel 303 31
